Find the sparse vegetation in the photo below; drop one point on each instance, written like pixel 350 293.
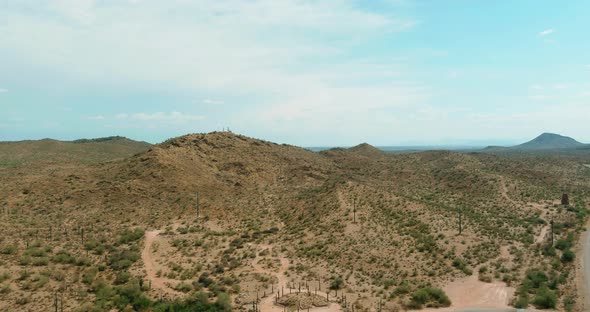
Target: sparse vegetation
pixel 378 229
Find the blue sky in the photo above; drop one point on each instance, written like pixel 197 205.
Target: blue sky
pixel 311 73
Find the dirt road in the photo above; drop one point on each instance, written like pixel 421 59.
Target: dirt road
pixel 158 283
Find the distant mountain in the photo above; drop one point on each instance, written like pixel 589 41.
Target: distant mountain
pixel 549 141
pixel 545 143
pixel 79 151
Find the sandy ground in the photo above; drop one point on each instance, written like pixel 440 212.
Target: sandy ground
pixel 159 284
pixel 267 304
pixel 469 292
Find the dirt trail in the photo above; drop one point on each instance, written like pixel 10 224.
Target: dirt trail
pixel 504 190
pixel 158 283
pixel 267 303
pixel 545 229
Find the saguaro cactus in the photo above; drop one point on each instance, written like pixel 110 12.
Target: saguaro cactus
pixel 460 221
pixel 354 210
pixel 198 205
pixel 565 199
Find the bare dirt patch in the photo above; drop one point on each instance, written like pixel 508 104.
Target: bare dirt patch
pixel 469 292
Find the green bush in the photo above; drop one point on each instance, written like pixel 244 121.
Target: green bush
pixel 129 236
pixel 563 244
pixel 123 259
pixel 336 283
pixel 522 302
pixel 568 256
pixel 545 299
pixel 63 257
pixel 462 265
pixel 429 297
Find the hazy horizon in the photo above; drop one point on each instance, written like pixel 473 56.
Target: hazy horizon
pixel 403 145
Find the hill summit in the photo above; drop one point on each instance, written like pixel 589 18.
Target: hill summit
pixel 549 141
pixel 367 150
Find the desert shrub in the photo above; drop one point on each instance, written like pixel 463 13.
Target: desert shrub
pixel 183 287
pixel 5 289
pixel 563 244
pixel 83 261
pixel 128 236
pixel 568 256
pixel 122 278
pixel 43 261
pixel 336 283
pixel 89 275
pixel 535 278
pixel 522 302
pixel 63 257
pixel 429 297
pixel 545 299
pixel 205 280
pixel 197 302
pixel 549 251
pixel 8 250
pixel 123 259
pixel 4 276
pixel 403 288
pixel 462 265
pixel 24 260
pixel 569 303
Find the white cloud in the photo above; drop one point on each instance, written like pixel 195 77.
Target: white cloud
pixel 547 32
pixel 3 90
pixel 538 97
pixel 211 102
pixel 536 87
pixel 560 86
pixel 173 117
pixel 97 117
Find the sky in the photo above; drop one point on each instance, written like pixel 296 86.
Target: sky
pixel 302 72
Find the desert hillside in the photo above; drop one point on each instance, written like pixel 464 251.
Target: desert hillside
pixel 219 220
pixel 87 151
